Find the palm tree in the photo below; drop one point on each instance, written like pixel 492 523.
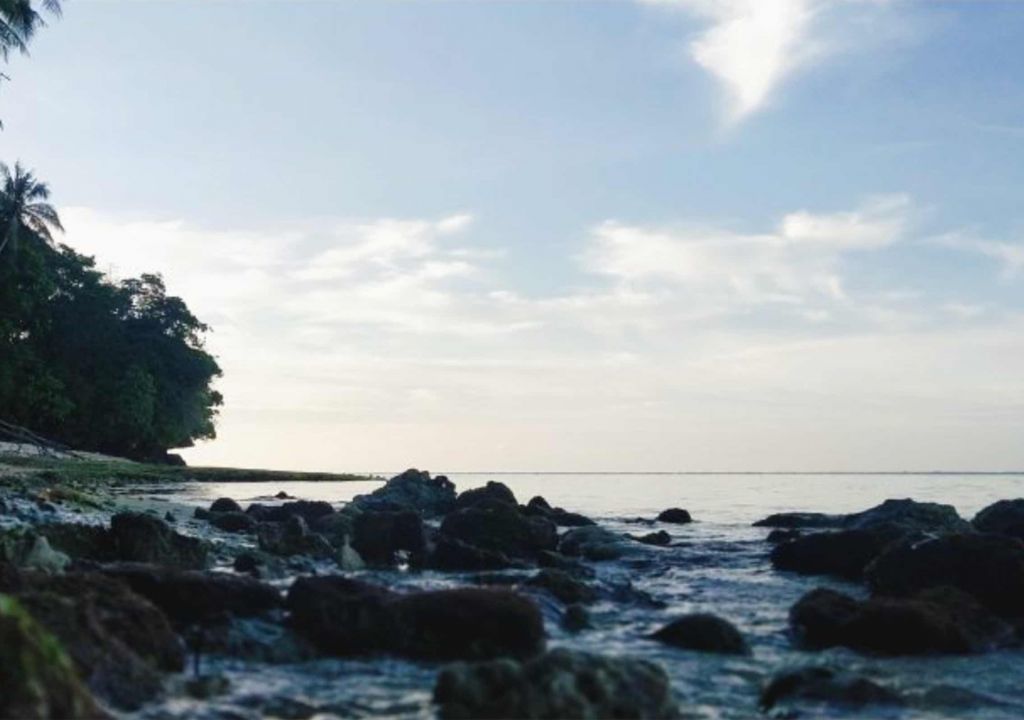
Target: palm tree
pixel 23 208
pixel 19 21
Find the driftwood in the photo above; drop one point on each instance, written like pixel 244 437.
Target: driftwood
pixel 9 432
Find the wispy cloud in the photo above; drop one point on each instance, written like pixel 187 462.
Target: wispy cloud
pixel 1009 255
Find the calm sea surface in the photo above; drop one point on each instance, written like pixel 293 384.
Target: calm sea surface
pixel 718 564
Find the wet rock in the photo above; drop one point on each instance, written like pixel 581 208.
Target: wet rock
pixel 379 537
pixel 909 516
pixel 658 539
pixel 237 522
pixel 576 618
pixel 492 491
pixel 191 596
pixel 937 621
pixel 593 543
pixel 169 518
pixel 500 527
pixel 558 561
pixel 412 490
pixel 452 555
pixel 337 528
pixel 225 505
pixel 38 680
pixel 780 536
pixel 79 541
pixel 824 686
pixel 23 548
pixel 558 684
pixel 308 510
pixel 801 520
pixel 563 586
pixel 206 687
pixel 292 537
pixel 248 563
pixel 989 567
pixel 842 553
pixel 538 506
pixel 1005 517
pixel 137 537
pixel 343 616
pixel 703 632
pixel 118 640
pixel 676 516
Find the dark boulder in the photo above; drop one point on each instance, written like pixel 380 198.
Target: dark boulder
pixel 558 684
pixel 451 555
pixel 379 537
pixel 38 680
pixel 842 553
pixel 538 506
pixel 676 516
pixel 137 537
pixel 225 505
pixel 191 596
pixel 496 491
pixel 292 537
pixel 236 522
pixel 412 490
pixel 563 586
pixel 79 541
pixel 909 516
pixel 1005 517
pixel 500 527
pixel 823 686
pixel 658 539
pixel 345 617
pixel 248 562
pixel 309 510
pixel 989 567
pixel 703 632
pixel 801 520
pixel 937 621
pixel 119 641
pixel 594 543
pixel 576 618
pixel 558 561
pixel 780 535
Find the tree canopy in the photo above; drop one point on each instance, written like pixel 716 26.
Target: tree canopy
pixel 113 366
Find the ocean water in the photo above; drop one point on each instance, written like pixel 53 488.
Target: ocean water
pixel 718 564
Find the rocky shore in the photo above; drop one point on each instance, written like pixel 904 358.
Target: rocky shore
pixel 109 611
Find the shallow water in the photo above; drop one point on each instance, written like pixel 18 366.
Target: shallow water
pixel 718 563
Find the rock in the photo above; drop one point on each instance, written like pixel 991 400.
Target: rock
pixel 500 527
pixel 225 505
pixel 842 553
pixel 248 563
pixel 703 632
pixel 937 621
pixel 558 684
pixel 379 537
pixel 539 507
pixel 23 548
pixel 79 541
pixel 989 567
pixel 909 516
pixel 237 522
pixel 563 586
pixel 337 528
pixel 659 539
pixel 801 520
pixel 593 543
pixel 453 555
pixel 558 561
pixel 780 536
pixel 292 537
pixel 137 537
pixel 38 681
pixel 576 618
pixel 412 490
pixel 169 518
pixel 309 510
pixel 1005 517
pixel 821 685
pixel 118 641
pixel 676 516
pixel 342 616
pixel 191 596
pixel 496 491
pixel 282 495
pixel 206 687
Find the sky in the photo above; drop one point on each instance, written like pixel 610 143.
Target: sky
pixel 634 235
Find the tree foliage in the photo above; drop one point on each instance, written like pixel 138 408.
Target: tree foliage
pixel 113 366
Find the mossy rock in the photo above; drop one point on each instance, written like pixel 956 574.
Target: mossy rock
pixel 37 679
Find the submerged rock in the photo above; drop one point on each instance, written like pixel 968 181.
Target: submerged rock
pixel 342 616
pixel 500 527
pixel 1005 517
pixel 454 555
pixel 658 539
pixel 37 679
pixel 576 618
pixel 563 586
pixel 594 543
pixel 412 490
pixel 906 515
pixel 843 553
pixel 937 621
pixel 676 516
pixel 191 596
pixel 989 567
pixel 559 684
pixel 819 685
pixel 801 520
pixel 703 632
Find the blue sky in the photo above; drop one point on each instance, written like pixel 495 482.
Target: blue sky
pixel 671 234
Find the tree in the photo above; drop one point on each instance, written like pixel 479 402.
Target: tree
pixel 19 21
pixel 24 211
